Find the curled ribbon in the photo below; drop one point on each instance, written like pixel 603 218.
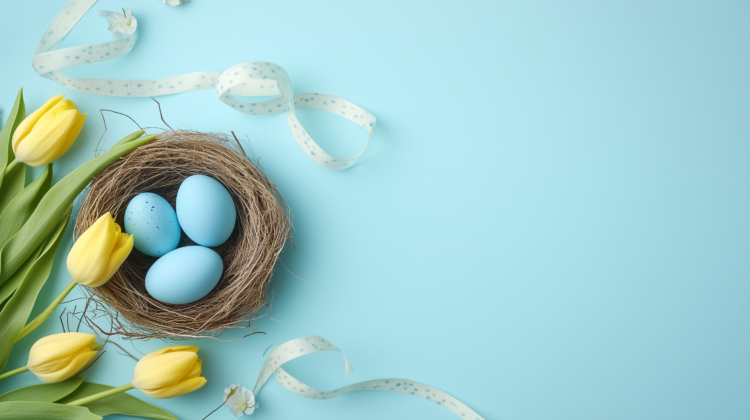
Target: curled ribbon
pixel 312 344
pixel 252 78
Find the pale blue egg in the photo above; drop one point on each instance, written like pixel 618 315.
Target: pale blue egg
pixel 184 275
pixel 205 210
pixel 153 223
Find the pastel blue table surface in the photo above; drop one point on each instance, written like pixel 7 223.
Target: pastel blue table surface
pixel 551 221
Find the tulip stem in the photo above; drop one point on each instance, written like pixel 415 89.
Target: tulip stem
pixel 47 312
pixel 11 166
pixel 105 394
pixel 13 372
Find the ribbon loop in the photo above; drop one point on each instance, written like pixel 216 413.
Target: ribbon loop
pixel 252 78
pixel 308 345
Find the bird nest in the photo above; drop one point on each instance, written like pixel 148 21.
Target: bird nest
pixel 249 255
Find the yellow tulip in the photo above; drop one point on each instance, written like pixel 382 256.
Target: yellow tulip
pixel 169 372
pixel 99 252
pixel 48 133
pixel 57 357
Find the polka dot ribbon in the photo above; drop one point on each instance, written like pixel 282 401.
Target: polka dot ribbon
pixel 252 78
pixel 307 345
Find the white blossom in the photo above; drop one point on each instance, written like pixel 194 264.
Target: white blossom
pixel 174 2
pixel 241 402
pixel 120 23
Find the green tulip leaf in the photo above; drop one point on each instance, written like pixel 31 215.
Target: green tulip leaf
pixel 10 286
pixel 17 310
pixel 43 392
pixel 34 410
pixel 13 183
pixel 11 220
pixel 116 404
pixel 130 137
pixel 17 114
pixel 18 211
pixel 53 205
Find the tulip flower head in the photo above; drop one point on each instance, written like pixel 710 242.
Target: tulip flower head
pixel 99 252
pixel 57 357
pixel 169 372
pixel 48 133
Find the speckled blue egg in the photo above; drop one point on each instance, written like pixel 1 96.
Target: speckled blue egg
pixel 184 275
pixel 153 223
pixel 205 210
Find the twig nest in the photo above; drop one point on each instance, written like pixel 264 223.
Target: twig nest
pixel 249 255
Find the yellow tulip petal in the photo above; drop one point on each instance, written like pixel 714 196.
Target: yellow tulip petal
pixel 58 346
pixel 40 146
pixel 54 365
pixel 69 371
pixel 170 349
pixel 195 371
pixel 51 366
pixel 71 136
pixel 120 252
pixel 163 370
pixel 89 256
pixel 29 122
pixel 62 106
pixel 181 388
pixel 65 105
pixel 53 116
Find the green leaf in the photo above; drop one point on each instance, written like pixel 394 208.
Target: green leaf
pixel 130 137
pixel 18 211
pixel 16 312
pixel 13 183
pixel 34 410
pixel 17 114
pixel 11 220
pixel 43 392
pixel 117 404
pixel 10 286
pixel 53 205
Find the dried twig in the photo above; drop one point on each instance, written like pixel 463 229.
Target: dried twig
pixel 238 143
pixel 162 115
pixel 101 111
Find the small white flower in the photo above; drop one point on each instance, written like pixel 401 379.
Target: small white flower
pixel 120 23
pixel 241 402
pixel 174 2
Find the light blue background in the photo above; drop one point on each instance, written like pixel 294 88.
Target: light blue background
pixel 551 221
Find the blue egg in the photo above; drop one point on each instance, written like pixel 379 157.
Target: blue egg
pixel 205 210
pixel 184 275
pixel 153 223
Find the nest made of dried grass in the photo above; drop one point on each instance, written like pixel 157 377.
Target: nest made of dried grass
pixel 249 255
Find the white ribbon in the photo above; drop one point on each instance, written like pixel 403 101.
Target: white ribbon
pixel 313 344
pixel 252 78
